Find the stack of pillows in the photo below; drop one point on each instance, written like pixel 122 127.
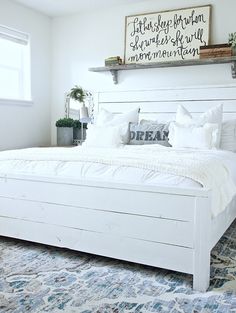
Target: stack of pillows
pixel 204 132
pixel 208 131
pixel 110 130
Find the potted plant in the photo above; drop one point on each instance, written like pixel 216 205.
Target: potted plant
pixel 232 42
pixel 65 131
pixel 77 135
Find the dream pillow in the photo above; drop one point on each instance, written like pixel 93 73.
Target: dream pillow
pixel 148 132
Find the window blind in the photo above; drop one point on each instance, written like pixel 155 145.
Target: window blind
pixel 13 35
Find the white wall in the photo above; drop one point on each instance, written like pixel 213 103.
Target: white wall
pixel 84 40
pixel 23 126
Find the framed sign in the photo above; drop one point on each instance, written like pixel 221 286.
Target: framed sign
pixel 166 36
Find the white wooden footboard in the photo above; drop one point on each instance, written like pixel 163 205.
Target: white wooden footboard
pixel 202 248
pixel 157 226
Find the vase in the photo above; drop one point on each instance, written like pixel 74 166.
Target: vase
pixel 64 136
pixel 77 134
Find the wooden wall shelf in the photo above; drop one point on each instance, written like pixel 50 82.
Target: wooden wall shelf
pixel 124 67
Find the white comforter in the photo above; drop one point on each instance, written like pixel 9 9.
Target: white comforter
pixel 209 168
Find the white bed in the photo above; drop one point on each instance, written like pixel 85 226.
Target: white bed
pixel 91 208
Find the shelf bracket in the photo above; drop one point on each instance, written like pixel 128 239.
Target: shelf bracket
pixel 114 74
pixel 233 69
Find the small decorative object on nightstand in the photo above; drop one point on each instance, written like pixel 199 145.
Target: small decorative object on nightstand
pixel 84 119
pixel 79 133
pixel 77 93
pixel 77 142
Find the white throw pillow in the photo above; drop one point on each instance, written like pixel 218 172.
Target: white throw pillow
pixel 213 116
pixel 107 118
pixel 103 117
pixel 183 116
pixel 228 136
pixel 191 136
pixel 103 136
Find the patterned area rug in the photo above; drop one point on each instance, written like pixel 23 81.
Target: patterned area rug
pixel 37 278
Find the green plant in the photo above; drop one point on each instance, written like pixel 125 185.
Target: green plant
pixel 65 122
pixel 77 93
pixel 232 39
pixel 77 124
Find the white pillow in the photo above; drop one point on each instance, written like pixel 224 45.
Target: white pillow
pixel 103 136
pixel 228 136
pixel 191 136
pixel 213 116
pixel 106 118
pixel 103 117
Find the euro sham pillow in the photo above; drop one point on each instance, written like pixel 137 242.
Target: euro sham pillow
pixel 191 136
pixel 213 116
pixel 148 132
pixel 106 118
pixel 228 136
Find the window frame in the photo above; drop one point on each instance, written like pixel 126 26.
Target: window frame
pixel 25 89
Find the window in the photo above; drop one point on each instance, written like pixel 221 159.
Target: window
pixel 14 64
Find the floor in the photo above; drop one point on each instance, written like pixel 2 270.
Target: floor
pixel 37 278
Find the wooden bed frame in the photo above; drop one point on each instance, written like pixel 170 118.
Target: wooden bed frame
pixel 160 226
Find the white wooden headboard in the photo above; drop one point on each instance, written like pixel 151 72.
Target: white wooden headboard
pixel 161 104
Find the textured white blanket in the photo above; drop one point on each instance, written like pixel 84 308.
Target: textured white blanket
pixel 203 167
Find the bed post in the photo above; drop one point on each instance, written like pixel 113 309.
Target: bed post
pixel 202 251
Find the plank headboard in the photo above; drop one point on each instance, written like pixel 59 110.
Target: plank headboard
pixel 161 104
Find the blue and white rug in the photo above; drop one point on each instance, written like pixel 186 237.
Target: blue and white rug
pixel 37 278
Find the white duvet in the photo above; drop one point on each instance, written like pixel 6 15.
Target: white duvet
pixel 149 164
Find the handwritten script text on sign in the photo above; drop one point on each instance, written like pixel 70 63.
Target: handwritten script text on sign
pixel 166 36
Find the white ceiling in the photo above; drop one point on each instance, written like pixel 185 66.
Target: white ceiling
pixel 63 7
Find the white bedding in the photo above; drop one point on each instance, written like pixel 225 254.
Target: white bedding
pixel 150 165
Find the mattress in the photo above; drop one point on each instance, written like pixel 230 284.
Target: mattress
pixel 103 172
pixel 93 172
pixel 151 165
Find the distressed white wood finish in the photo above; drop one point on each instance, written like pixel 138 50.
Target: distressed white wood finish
pixel 222 222
pixel 115 223
pixel 158 234
pixel 161 104
pixel 201 259
pixel 141 199
pixel 169 227
pixel 120 247
pixel 194 94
